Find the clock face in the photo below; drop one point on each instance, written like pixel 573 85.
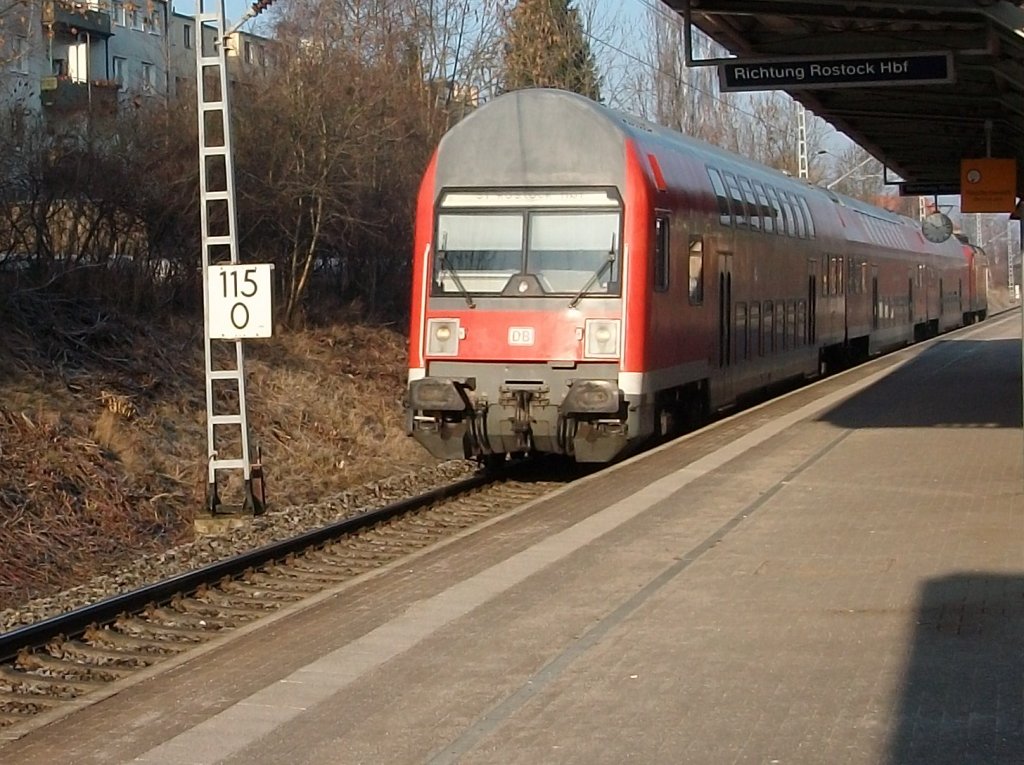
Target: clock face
pixel 937 228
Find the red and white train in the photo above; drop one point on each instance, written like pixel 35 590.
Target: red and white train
pixel 584 280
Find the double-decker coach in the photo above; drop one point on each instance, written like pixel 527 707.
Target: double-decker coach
pixel 584 280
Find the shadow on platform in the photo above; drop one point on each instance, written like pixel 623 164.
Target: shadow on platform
pixel 962 699
pixel 939 389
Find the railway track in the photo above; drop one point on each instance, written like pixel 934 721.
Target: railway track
pixel 48 666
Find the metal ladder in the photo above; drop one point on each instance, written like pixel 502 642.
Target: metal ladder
pixel 220 245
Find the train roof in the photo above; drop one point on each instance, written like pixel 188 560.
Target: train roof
pixel 552 136
pixel 544 136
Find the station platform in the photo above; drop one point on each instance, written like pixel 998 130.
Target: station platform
pixel 836 576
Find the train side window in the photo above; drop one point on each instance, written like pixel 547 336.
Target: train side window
pixel 807 216
pixel 768 327
pixel 776 209
pixel 765 208
pixel 803 333
pixel 755 330
pixel 752 206
pixel 840 277
pixel 792 329
pixel 724 213
pixel 787 214
pixel 661 250
pixel 740 332
pixel 780 326
pixel 738 206
pixel 798 215
pixel 696 287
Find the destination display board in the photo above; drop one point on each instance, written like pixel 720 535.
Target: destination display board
pixel 926 189
pixel 837 72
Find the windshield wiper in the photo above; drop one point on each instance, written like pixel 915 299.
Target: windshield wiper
pixel 442 255
pixel 597 275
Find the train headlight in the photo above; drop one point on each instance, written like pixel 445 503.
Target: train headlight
pixel 443 337
pixel 601 338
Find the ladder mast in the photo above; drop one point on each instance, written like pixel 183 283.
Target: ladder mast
pixel 219 245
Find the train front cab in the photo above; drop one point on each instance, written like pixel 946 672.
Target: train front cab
pixel 520 332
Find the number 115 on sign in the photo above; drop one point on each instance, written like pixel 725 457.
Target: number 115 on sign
pixel 240 301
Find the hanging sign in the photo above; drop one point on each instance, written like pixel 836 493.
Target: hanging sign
pixel 988 185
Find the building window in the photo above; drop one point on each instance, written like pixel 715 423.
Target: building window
pixel 153 23
pixel 119 13
pixel 187 35
pixel 119 63
pixel 148 76
pixel 247 51
pixel 137 20
pixel 19 63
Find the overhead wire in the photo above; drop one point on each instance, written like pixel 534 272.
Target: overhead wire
pixel 644 62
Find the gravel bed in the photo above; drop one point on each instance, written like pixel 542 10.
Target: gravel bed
pixel 270 527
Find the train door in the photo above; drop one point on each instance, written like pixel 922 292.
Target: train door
pixel 910 298
pixel 841 292
pixel 812 301
pixel 725 339
pixel 874 297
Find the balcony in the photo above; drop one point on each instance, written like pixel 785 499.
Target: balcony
pixel 72 17
pixel 60 95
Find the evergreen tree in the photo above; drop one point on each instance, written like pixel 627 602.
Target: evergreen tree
pixel 545 47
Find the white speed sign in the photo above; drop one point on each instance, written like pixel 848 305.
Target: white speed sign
pixel 240 301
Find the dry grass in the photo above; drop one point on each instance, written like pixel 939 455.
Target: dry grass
pixel 103 435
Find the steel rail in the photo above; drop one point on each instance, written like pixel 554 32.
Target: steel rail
pixel 74 623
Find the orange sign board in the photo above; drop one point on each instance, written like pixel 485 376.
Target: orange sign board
pixel 988 185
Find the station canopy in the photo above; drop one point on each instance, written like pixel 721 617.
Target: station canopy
pixel 919 126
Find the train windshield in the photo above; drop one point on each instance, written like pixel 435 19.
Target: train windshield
pixel 568 252
pixel 481 252
pixel 567 249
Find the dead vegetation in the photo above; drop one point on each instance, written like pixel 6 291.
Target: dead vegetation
pixel 103 435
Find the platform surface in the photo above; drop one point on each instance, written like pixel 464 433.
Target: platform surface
pixel 833 577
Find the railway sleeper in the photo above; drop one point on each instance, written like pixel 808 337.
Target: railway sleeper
pixel 61 687
pixel 229 595
pixel 258 591
pixel 294 574
pixel 70 668
pixel 13 698
pixel 102 656
pixel 158 649
pixel 174 618
pixel 195 606
pixel 136 626
pixel 328 568
pixel 272 581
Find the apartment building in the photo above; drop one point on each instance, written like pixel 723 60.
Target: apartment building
pixel 68 57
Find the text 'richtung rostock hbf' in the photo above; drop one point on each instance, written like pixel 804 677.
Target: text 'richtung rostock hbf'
pixel 818 71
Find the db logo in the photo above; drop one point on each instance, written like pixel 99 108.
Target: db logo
pixel 520 335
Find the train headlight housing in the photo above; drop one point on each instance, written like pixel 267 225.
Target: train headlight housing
pixel 601 338
pixel 592 397
pixel 443 337
pixel 435 394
